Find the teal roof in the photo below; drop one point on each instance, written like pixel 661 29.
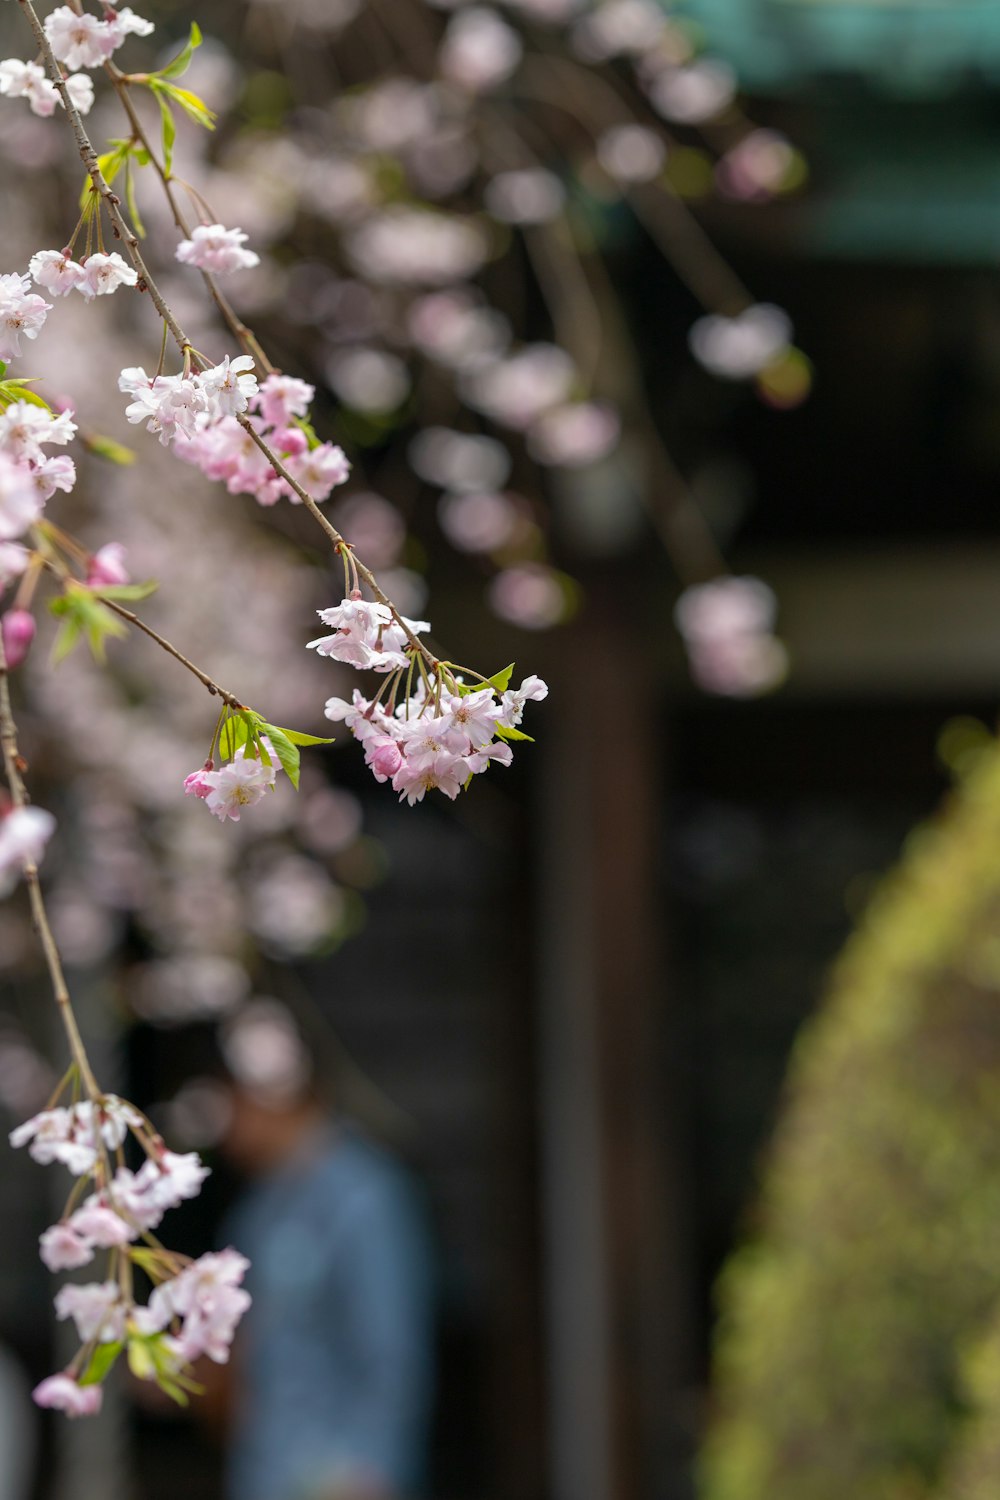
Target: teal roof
pixel 905 46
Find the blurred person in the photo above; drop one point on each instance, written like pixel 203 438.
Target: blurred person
pixel 330 1390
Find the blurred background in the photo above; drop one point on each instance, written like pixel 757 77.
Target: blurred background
pixel 569 1000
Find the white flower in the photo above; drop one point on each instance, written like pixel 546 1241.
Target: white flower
pixel 27 80
pixel 21 312
pixel 168 404
pixel 80 88
pixel 229 387
pixel 216 249
pixel 79 41
pixel 103 274
pixel 56 271
pixel 24 832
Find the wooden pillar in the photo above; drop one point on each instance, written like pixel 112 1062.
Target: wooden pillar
pixel 615 1276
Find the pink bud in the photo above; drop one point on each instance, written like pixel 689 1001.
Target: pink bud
pixel 198 784
pixel 387 759
pixel 107 567
pixel 291 441
pixel 18 628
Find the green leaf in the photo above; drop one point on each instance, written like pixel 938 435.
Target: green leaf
pixel 169 131
pixel 84 614
pixel 18 390
pixel 101 1361
pixel 127 591
pixel 110 163
pixel 66 639
pixel 234 733
pixel 286 752
pixel 182 61
pixel 506 733
pixel 133 207
pixel 298 738
pixel 3 369
pixel 192 106
pixel 501 680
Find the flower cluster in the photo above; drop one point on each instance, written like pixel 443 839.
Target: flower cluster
pixel 240 783
pixel 223 449
pixel 27 80
pixel 438 732
pixel 194 1307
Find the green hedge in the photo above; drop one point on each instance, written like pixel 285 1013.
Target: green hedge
pixel 856 1345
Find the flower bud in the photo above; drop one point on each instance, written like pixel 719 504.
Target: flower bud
pixel 291 441
pixel 18 628
pixel 387 759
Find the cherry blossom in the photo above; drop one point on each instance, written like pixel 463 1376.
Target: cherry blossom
pixel 217 249
pixel 20 502
pixel 64 1394
pixel 103 274
pixel 727 629
pixel 25 428
pixel 63 1249
pixel 28 80
pixel 21 312
pixel 238 784
pixel 96 1308
pixel 24 833
pixel 83 41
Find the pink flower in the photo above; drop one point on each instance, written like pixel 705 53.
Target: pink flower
pixel 103 274
pixel 213 248
pixel 209 1298
pixel 107 566
pixel 20 501
pixel 100 1225
pixel 96 1309
pixel 64 1394
pixel 17 627
pixel 26 428
pixel 319 470
pixel 513 700
pixel 385 758
pixel 239 784
pixel 200 782
pixel 13 558
pixel 63 1249
pixel 283 397
pixel 55 473
pixel 168 404
pixel 24 832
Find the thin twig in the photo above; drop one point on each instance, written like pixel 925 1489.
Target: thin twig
pixel 229 699
pixel 19 796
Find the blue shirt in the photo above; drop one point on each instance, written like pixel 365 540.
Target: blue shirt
pixel 334 1362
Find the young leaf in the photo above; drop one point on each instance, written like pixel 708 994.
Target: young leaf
pixel 66 639
pixel 234 733
pixel 501 680
pixel 182 61
pixel 286 752
pixel 127 591
pixel 169 130
pixel 18 390
pixel 101 1361
pixel 297 738
pixel 196 108
pixel 506 733
pixel 133 206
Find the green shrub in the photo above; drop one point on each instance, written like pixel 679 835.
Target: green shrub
pixel 847 1324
